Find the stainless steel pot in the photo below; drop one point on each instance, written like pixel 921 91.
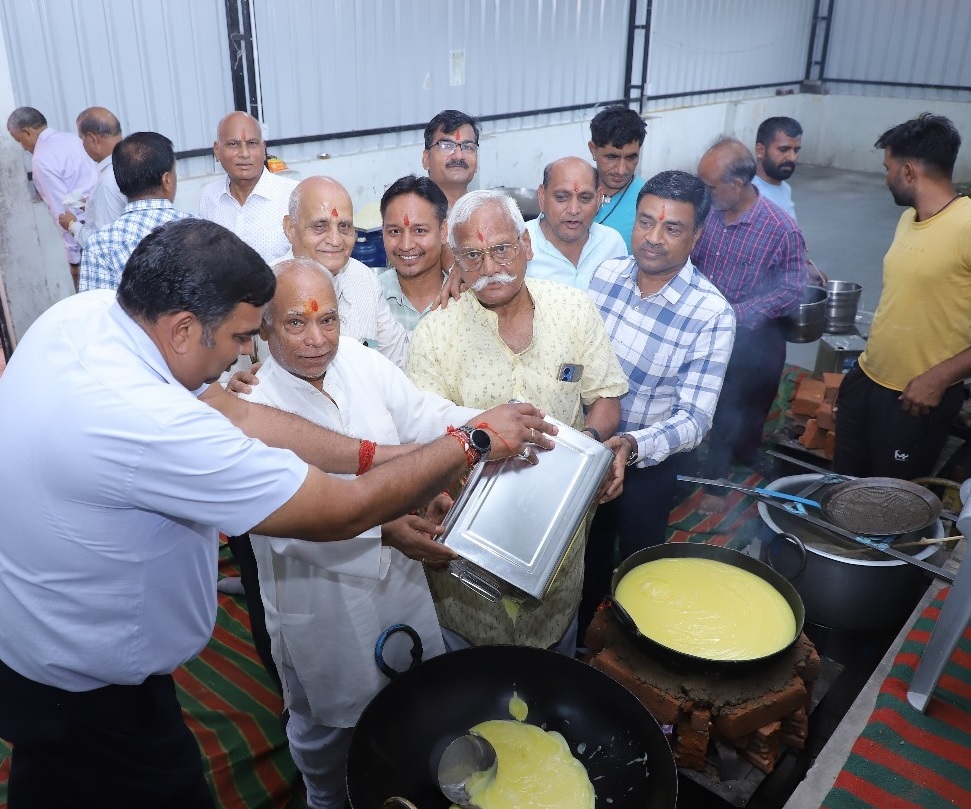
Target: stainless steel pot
pixel 843 588
pixel 806 323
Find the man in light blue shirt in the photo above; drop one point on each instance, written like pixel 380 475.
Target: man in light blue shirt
pixel 567 244
pixel 616 136
pixel 777 146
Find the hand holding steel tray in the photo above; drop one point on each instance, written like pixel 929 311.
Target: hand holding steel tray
pixel 514 521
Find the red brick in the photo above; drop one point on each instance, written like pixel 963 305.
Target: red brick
pixel 829 445
pixel 665 708
pixel 809 395
pixel 824 416
pixel 749 717
pixel 832 384
pixel 813 437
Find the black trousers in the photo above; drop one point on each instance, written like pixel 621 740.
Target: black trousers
pixel 876 437
pixel 750 387
pixel 242 550
pixel 635 520
pixel 113 747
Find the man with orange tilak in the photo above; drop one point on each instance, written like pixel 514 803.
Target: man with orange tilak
pixel 251 200
pixel 567 244
pixel 512 337
pixel 326 605
pixel 413 212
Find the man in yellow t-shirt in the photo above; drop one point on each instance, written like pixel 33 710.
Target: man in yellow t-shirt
pixel 897 404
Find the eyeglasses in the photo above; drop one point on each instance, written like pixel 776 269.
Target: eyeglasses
pixel 446 145
pixel 502 254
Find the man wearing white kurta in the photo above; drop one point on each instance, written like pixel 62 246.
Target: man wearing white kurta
pixel 326 606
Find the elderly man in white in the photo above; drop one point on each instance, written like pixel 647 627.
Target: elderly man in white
pixel 326 606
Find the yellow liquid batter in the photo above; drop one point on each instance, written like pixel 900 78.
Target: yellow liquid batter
pixel 707 609
pixel 535 769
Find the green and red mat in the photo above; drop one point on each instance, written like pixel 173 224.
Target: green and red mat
pixel 904 759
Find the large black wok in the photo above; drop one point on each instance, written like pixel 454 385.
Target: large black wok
pixel 688 550
pixel 401 734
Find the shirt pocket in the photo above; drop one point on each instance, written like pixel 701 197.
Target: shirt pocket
pixel 564 402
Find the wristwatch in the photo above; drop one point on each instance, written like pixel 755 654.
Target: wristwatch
pixel 632 455
pixel 479 443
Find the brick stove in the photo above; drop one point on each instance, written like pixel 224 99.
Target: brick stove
pixel 756 713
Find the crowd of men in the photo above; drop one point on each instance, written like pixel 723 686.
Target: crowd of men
pixel 644 312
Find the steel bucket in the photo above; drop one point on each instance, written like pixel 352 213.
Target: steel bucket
pixel 841 308
pixel 805 324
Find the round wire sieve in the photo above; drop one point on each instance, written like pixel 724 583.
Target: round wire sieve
pixel 880 506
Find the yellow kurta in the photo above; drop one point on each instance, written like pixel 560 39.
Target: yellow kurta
pixel 459 354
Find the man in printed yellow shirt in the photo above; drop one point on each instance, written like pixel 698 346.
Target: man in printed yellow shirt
pixel 897 404
pixel 512 337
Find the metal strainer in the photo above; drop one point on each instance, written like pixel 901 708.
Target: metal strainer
pixel 880 506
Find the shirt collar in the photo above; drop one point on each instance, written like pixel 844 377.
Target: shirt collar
pixel 259 189
pixel 673 290
pixel 145 347
pixel 148 204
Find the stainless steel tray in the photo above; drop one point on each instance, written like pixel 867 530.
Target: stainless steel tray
pixel 513 522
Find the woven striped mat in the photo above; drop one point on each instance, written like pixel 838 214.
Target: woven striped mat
pixel 905 759
pixel 233 708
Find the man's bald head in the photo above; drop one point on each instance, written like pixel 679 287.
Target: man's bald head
pixel 320 222
pixel 239 147
pixel 569 202
pixel 99 131
pixel 300 324
pixel 727 169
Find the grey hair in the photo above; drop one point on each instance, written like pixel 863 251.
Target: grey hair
pixel 294 205
pixel 741 163
pixel 473 201
pixel 300 263
pixel 25 118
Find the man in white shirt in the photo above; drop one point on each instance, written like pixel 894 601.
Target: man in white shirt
pixel 320 225
pixel 777 146
pixel 100 132
pixel 567 244
pixel 251 200
pixel 61 169
pixel 363 585
pixel 111 516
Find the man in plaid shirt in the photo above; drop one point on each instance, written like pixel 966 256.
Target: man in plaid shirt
pixel 755 254
pixel 672 331
pixel 144 165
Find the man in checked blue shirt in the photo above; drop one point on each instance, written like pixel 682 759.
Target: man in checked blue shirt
pixel 144 165
pixel 673 332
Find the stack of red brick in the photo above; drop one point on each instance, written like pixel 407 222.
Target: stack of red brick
pixel 758 712
pixel 814 405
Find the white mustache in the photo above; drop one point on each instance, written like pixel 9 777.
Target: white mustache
pixel 498 278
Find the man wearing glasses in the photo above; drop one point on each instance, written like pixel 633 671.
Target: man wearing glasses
pixel 512 337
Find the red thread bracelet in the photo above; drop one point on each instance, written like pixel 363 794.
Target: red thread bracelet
pixel 471 453
pixel 365 456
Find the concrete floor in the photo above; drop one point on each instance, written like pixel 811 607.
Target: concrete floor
pixel 848 220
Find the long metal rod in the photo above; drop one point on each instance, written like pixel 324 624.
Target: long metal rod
pixel 888 551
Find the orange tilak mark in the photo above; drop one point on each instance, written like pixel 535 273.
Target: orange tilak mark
pixel 314 306
pixel 661 217
pixel 407 221
pixel 333 212
pixel 481 237
pixel 576 188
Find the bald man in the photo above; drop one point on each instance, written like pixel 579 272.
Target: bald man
pixel 756 257
pixel 251 200
pixel 320 225
pixel 567 244
pixel 100 132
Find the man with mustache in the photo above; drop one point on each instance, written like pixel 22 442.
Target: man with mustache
pixel 673 332
pixel 251 201
pixel 567 244
pixel 513 337
pixel 451 158
pixel 777 146
pixel 616 137
pixel 413 212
